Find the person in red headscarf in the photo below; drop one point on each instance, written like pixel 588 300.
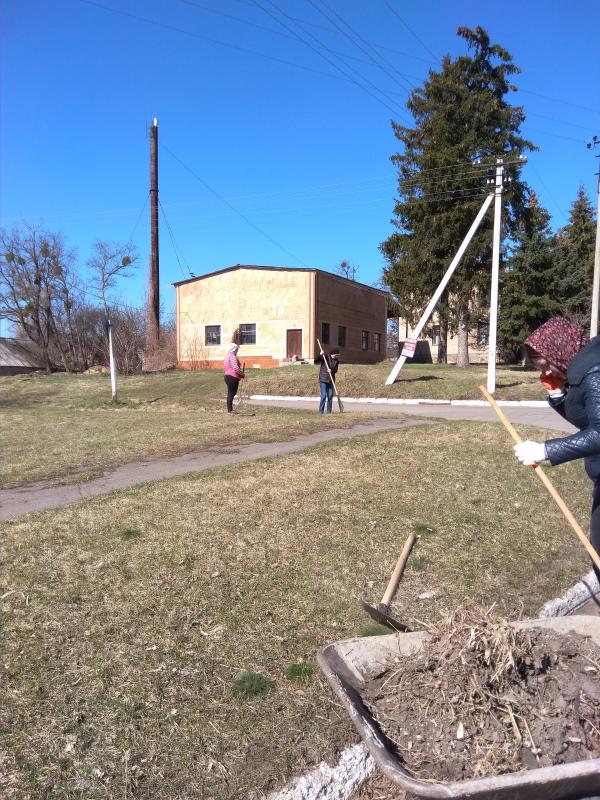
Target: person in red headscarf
pixel 570 373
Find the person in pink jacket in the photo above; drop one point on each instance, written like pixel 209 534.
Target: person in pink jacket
pixel 233 374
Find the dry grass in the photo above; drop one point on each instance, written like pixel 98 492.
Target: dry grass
pixel 432 381
pixel 122 649
pixel 65 427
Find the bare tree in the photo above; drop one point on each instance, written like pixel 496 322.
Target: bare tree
pixel 347 270
pixel 109 262
pixel 35 268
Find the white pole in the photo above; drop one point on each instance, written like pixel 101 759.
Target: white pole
pixel 493 328
pixel 113 366
pixel 409 346
pixel 596 281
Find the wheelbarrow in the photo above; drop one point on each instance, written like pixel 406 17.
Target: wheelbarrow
pixel 348 665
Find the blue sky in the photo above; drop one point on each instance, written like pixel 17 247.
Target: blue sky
pixel 268 153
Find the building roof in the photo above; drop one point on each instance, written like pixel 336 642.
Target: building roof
pixel 278 269
pixel 19 353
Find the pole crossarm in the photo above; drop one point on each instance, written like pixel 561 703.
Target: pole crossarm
pixel 409 347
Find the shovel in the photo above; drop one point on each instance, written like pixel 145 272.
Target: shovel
pixel 380 612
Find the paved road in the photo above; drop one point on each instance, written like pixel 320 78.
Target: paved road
pixel 543 417
pixel 40 496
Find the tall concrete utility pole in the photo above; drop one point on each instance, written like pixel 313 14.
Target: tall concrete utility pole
pixel 596 280
pixel 154 298
pixel 492 331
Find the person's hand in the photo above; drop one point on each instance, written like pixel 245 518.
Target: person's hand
pixel 552 383
pixel 530 453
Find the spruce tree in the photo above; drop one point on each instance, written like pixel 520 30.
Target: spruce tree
pixel 529 284
pixel 460 115
pixel 575 255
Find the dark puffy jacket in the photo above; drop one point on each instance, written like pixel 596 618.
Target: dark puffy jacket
pixel 580 405
pixel 333 366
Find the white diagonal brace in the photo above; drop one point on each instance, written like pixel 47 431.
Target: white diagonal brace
pixel 438 292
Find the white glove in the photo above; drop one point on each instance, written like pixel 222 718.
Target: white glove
pixel 530 453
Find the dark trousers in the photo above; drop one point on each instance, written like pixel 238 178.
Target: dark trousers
pixel 326 397
pixel 595 523
pixel 232 387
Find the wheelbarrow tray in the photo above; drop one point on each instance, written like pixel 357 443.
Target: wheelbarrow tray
pixel 348 665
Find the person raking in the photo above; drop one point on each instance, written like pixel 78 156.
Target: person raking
pixel 234 372
pixel 329 367
pixel 570 373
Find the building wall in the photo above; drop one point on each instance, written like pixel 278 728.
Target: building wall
pixel 356 307
pixel 273 300
pixel 478 353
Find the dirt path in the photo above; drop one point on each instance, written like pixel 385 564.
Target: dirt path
pixel 41 497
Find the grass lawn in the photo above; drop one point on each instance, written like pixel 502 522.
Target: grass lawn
pixel 131 621
pixel 431 381
pixel 64 427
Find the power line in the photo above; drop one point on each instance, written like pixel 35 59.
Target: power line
pixel 376 50
pixel 561 100
pixel 329 30
pixel 410 30
pixel 342 77
pixel 557 135
pixel 550 195
pixel 354 41
pixel 271 31
pixel 139 218
pixel 560 121
pixel 193 35
pixel 329 61
pixel 233 208
pixel 169 229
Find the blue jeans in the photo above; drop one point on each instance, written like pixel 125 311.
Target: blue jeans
pixel 326 394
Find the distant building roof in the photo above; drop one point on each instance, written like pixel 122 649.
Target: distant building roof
pixel 279 269
pixel 19 353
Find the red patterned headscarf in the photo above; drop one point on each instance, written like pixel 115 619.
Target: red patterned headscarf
pixel 557 340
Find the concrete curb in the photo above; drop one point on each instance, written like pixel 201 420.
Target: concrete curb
pixel 331 783
pixel 395 401
pixel 573 598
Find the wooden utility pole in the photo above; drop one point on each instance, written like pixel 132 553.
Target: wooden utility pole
pixel 154 296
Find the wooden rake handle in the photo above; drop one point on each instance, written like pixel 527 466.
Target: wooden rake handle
pixel 328 370
pixel 399 569
pixel 545 480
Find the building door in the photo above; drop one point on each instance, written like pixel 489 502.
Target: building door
pixel 294 343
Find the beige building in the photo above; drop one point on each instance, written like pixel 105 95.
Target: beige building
pixel 276 315
pixel 428 343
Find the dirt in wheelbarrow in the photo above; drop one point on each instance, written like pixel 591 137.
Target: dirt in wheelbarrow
pixel 483 699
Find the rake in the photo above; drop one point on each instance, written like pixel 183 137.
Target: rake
pixel 338 398
pixel 545 480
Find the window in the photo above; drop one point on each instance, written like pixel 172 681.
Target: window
pixel 342 335
pixel 325 329
pixel 364 340
pixel 435 335
pixel 377 342
pixel 212 334
pixel 248 333
pixel 483 333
